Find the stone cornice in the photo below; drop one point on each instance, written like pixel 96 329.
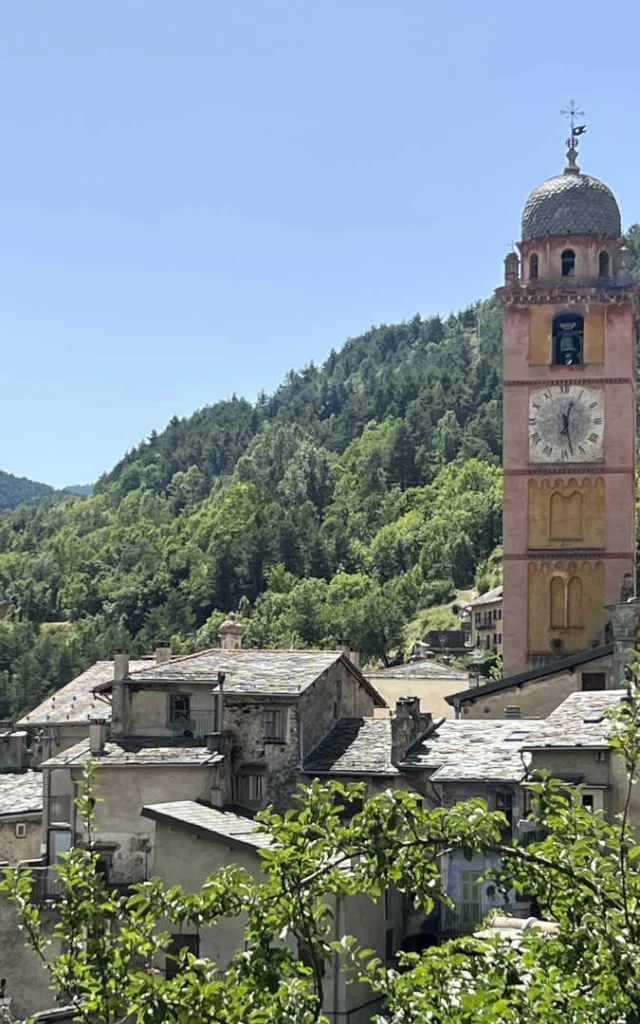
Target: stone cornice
pixel 564 295
pixel 567 554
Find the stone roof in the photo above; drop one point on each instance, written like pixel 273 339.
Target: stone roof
pixel 266 673
pixel 134 753
pixel 571 204
pixel 421 668
pixel 74 703
pixel 20 793
pixel 474 751
pixel 209 823
pixel 355 746
pixel 489 598
pixel 531 675
pixel 580 721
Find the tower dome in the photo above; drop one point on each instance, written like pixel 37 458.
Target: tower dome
pixel 571 204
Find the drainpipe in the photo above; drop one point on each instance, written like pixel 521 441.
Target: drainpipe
pixel 336 958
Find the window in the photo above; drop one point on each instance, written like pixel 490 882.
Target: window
pixel 179 708
pixel 275 725
pixel 594 681
pixel 254 787
pixel 387 904
pixel 500 613
pixel 179 948
pixel 389 945
pixel 533 266
pixel 568 263
pixel 603 264
pixel 504 803
pixel 568 336
pixel 21 830
pixel 470 908
pixel 587 801
pixel 60 810
pixel 478 619
pixel 517 736
pixel 499 638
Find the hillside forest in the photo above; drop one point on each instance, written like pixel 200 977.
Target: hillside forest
pixel 359 493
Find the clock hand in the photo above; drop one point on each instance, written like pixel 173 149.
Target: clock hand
pixel 565 427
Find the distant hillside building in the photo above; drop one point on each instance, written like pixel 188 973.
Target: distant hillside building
pixel 486 621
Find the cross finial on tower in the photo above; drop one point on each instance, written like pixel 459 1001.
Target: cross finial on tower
pixel 573 113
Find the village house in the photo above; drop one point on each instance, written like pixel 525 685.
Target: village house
pixel 430 680
pixel 192 842
pixel 486 621
pixel 20 817
pixel 537 691
pixel 62 720
pixel 226 727
pixel 572 744
pixel 460 760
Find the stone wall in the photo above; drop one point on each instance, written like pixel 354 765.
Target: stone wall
pixel 27 979
pixel 14 848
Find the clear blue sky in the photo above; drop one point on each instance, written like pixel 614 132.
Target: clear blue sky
pixel 198 196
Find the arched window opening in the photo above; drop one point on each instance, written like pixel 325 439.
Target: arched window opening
pixel 603 264
pixel 565 517
pixel 568 263
pixel 533 266
pixel 558 609
pixel 574 603
pixel 568 338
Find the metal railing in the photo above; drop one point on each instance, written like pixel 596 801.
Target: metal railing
pixel 467 917
pixel 199 723
pixel 534 836
pixel 48 886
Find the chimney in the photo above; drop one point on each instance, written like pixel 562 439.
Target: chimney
pixel 98 725
pixel 163 652
pixel 120 665
pixel 231 634
pixel 407 725
pixel 120 673
pixel 350 651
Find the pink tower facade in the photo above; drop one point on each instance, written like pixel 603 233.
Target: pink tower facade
pixel 569 367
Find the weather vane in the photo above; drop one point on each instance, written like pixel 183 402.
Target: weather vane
pixel 574 113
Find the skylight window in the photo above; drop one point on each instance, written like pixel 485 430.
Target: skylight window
pixel 593 718
pixel 517 735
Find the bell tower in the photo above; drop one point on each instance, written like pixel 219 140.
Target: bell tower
pixel 569 366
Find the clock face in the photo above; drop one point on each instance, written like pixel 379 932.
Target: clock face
pixel 566 424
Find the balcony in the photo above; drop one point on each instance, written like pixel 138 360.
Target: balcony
pixel 198 723
pixel 467 917
pixel 48 886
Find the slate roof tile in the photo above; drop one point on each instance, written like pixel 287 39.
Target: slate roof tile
pixel 355 746
pixel 579 721
pixel 209 821
pixel 74 703
pixel 133 753
pixel 20 793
